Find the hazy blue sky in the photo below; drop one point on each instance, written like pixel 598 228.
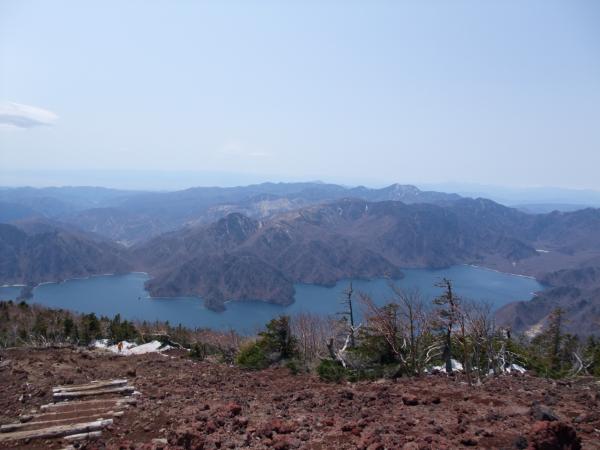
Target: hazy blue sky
pixel 500 92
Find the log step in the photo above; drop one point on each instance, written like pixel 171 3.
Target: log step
pixel 56 431
pixel 81 436
pixel 123 390
pixel 90 385
pixel 46 423
pixel 88 403
pixel 74 413
pixel 79 412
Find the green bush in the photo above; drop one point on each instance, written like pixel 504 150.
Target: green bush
pixel 274 344
pixel 252 356
pixel 198 351
pixel 329 370
pixel 294 366
pixel 277 338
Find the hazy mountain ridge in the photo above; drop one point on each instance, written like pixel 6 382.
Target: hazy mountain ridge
pixel 133 216
pixel 55 255
pixel 325 243
pixel 203 260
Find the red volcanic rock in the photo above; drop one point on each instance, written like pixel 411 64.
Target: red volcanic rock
pixel 284 427
pixel 211 426
pixel 348 426
pixel 410 400
pixel 410 446
pixel 553 435
pixel 309 413
pixel 278 426
pixel 282 443
pixel 188 439
pixel 233 409
pixel 241 422
pixel 469 442
pixel 543 413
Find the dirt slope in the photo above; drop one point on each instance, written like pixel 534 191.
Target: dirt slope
pixel 211 405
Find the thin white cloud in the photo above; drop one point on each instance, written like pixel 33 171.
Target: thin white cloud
pixel 16 115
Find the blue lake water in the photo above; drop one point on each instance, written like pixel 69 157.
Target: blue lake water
pixel 9 292
pixel 125 294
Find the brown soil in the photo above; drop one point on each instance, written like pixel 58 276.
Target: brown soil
pixel 211 405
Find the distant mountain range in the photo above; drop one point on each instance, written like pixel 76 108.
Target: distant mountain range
pixel 256 242
pixel 134 216
pixel 536 197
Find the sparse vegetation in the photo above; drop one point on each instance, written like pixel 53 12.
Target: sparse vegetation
pixel 252 356
pixel 25 325
pixel 406 337
pixel 276 343
pixel 330 370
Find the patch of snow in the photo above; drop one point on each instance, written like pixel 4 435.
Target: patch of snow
pixel 100 343
pixel 130 348
pixel 516 368
pixel 456 366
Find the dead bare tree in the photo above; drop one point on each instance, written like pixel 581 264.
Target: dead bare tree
pixel 384 322
pixel 311 331
pixel 581 363
pixel 448 317
pixel 348 314
pixel 465 341
pixel 417 322
pixel 482 330
pixel 343 335
pixel 406 326
pixel 338 342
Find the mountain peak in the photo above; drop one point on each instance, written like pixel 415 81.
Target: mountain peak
pixel 236 226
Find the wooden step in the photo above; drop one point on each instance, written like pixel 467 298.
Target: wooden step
pixel 74 413
pixel 81 436
pixel 123 390
pixel 63 421
pixel 79 411
pixel 56 431
pixel 87 403
pixel 90 385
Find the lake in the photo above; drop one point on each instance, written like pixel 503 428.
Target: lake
pixel 125 294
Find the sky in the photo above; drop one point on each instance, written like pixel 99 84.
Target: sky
pixel 373 92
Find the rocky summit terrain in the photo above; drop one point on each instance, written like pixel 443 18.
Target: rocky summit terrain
pixel 186 404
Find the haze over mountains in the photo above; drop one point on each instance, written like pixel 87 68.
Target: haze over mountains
pixel 256 242
pixel 133 216
pixel 45 253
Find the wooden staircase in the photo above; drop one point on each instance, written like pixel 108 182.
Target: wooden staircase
pixel 79 411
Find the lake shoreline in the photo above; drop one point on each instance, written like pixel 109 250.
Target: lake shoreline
pixel 329 285
pixel 126 295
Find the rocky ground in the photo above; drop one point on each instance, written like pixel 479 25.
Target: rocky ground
pixel 206 405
